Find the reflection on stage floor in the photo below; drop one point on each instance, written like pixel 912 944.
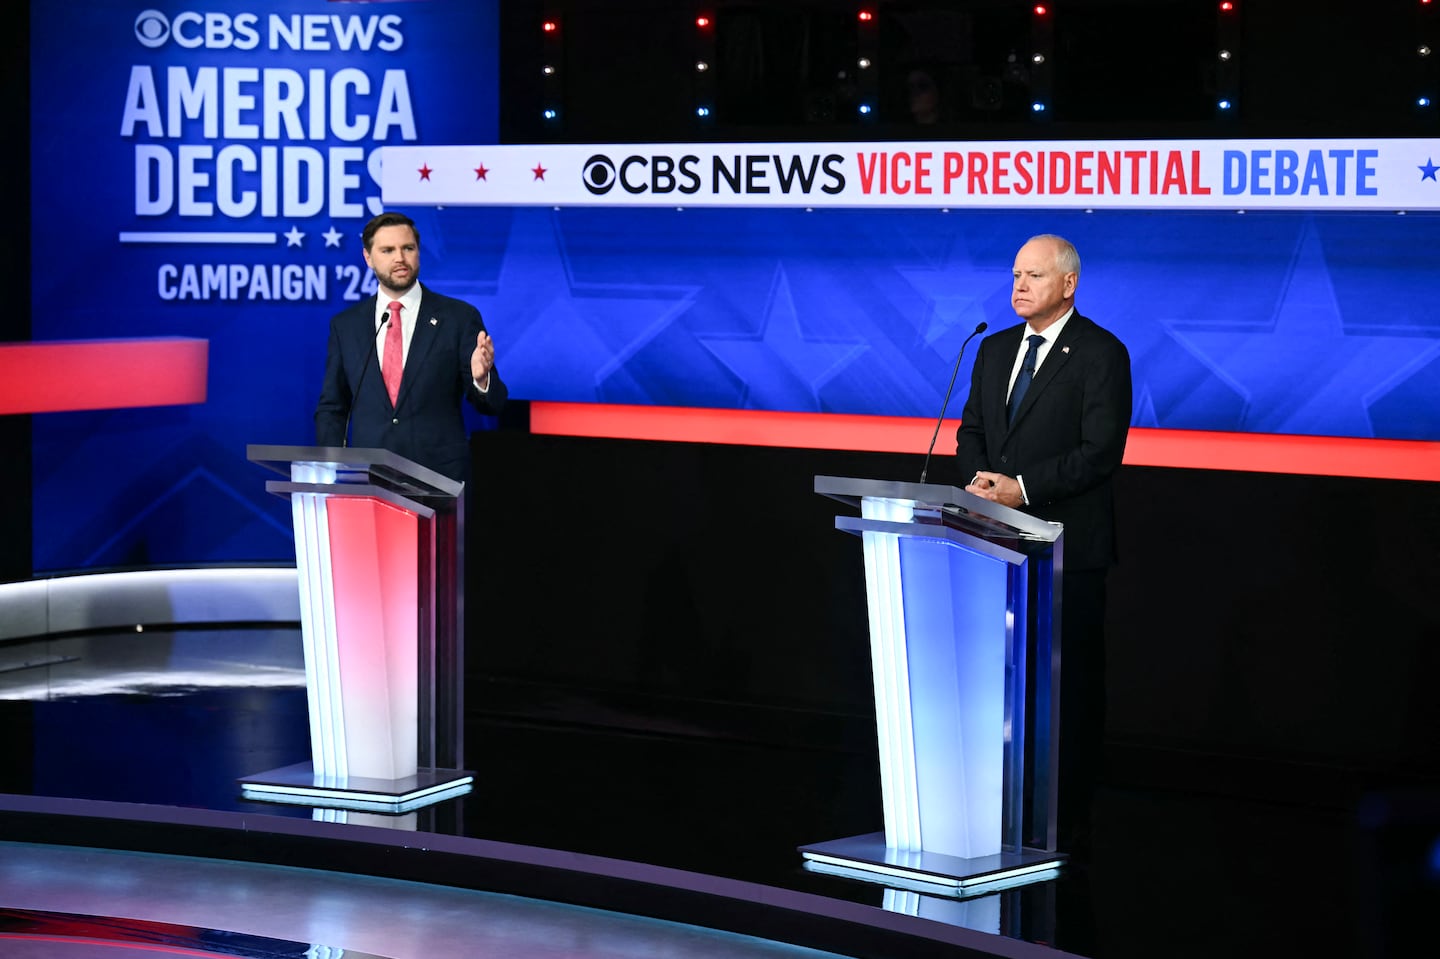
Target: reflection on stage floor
pixel 175 718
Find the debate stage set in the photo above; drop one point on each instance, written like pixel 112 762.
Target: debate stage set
pixel 712 654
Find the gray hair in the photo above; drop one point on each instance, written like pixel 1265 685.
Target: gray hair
pixel 1067 258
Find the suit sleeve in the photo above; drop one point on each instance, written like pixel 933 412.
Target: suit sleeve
pixel 1095 453
pixel 333 409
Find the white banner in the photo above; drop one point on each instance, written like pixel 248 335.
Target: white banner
pixel 1384 174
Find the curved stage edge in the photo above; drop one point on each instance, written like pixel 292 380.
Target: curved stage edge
pixel 765 912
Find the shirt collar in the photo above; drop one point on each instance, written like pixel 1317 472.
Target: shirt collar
pixel 409 304
pixel 1052 332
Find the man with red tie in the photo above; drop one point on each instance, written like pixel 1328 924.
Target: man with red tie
pixel 429 352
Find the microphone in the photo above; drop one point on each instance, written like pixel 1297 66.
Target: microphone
pixel 345 436
pixel 977 331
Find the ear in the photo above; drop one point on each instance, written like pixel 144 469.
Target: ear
pixel 1070 280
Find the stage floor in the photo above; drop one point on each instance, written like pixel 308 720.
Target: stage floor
pixel 170 720
pixel 219 908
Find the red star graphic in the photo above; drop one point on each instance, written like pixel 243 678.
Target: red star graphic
pixel 425 171
pixel 539 172
pixel 480 172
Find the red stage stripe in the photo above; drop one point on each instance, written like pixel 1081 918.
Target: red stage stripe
pixel 1186 449
pixel 101 374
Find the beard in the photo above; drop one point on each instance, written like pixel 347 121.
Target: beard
pixel 389 281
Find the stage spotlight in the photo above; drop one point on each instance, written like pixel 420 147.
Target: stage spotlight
pixel 701 66
pixel 550 26
pixel 865 109
pixel 548 70
pixel 1423 102
pixel 702 111
pixel 1037 107
pixel 551 114
pixel 864 63
pixel 1038 58
pixel 1225 55
pixel 1224 104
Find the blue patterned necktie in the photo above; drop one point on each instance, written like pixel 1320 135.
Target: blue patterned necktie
pixel 1027 373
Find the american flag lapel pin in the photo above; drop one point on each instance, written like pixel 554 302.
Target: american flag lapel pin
pixel 434 322
pixel 1063 349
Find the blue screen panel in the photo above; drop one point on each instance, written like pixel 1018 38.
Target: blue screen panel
pixel 1301 323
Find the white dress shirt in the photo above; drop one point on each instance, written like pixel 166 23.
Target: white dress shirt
pixel 1051 334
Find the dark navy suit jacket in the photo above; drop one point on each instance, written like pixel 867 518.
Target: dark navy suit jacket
pixel 426 423
pixel 1069 433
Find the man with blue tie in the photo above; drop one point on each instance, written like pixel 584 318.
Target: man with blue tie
pixel 428 352
pixel 1044 431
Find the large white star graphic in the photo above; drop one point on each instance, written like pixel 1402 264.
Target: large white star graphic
pixel 332 237
pixel 1307 373
pixel 294 237
pixel 954 291
pixel 785 367
pixel 572 339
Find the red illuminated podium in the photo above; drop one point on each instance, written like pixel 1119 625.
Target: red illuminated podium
pixel 379 559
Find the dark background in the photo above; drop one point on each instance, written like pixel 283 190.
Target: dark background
pixel 1267 634
pixel 1121 68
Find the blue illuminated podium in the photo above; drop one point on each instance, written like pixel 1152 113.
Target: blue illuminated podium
pixel 963 597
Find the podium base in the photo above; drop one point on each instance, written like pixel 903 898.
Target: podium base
pixel 301 785
pixel 867 858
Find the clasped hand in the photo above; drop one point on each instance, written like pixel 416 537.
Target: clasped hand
pixel 998 488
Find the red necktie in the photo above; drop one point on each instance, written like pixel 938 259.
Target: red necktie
pixel 393 362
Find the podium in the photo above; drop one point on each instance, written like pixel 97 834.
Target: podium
pixel 379 560
pixel 963 600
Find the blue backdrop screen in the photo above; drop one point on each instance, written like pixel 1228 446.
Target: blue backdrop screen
pixel 1302 323
pixel 205 171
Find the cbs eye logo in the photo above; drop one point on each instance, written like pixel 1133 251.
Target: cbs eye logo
pixel 599 174
pixel 151 28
